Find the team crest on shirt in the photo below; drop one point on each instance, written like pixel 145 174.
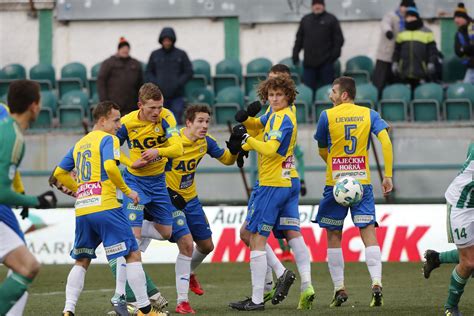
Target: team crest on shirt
pixel 132 216
pixel 201 150
pixel 157 129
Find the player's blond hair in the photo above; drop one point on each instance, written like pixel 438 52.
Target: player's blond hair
pixel 149 91
pixel 284 83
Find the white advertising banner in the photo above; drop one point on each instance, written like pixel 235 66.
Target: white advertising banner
pixel 405 232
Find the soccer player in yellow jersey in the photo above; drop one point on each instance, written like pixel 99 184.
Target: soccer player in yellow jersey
pixel 343 135
pixel 294 238
pixel 180 174
pixel 274 206
pixel 99 215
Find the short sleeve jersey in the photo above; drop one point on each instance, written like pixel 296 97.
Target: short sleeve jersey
pixel 143 135
pixel 95 192
pixel 180 171
pixel 460 192
pixel 345 130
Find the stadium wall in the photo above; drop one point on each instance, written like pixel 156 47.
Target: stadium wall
pixel 92 42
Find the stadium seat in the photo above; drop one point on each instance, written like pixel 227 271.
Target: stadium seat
pixel 305 99
pixel 296 72
pixel 225 112
pixel 93 88
pixel 3 99
pixel 195 83
pixel 49 100
pixel 425 106
pixel 44 119
pixel 254 97
pixel 71 116
pixel 252 81
pixel 337 68
pixel 259 65
pixel 73 77
pixel 202 67
pixel 228 74
pixel 394 103
pixel 302 112
pixel 360 68
pixel 322 101
pixel 10 73
pixel 459 102
pixel 95 70
pixel 202 95
pixel 75 98
pixel 231 95
pixel 367 95
pixel 45 75
pixel 453 69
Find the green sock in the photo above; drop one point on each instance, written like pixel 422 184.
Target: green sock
pixel 449 256
pixel 283 245
pixel 11 291
pixel 456 288
pixel 151 288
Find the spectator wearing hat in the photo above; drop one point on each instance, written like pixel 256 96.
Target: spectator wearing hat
pixel 320 36
pixel 120 77
pixel 415 52
pixel 392 23
pixel 464 40
pixel 169 68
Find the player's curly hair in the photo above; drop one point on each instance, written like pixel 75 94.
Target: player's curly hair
pixel 286 84
pixel 149 91
pixel 193 109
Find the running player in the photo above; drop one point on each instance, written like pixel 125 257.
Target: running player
pixel 180 174
pixel 99 216
pixel 24 106
pixel 343 140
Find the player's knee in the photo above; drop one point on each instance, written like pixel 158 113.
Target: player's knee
pixel 245 236
pixel 166 234
pixel 208 248
pixel 32 268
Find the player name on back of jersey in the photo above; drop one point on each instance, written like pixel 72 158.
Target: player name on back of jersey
pixel 346 119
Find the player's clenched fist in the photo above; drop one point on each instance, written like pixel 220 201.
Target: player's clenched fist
pixel 134 197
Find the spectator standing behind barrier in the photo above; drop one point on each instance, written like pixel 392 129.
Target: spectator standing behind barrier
pixel 415 52
pixel 464 40
pixel 320 36
pixel 120 78
pixel 392 23
pixel 169 68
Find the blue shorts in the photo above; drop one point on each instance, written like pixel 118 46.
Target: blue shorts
pixel 153 194
pixel 289 218
pixel 8 217
pixel 251 200
pixel 267 206
pixel 197 220
pixel 331 214
pixel 180 226
pixel 109 227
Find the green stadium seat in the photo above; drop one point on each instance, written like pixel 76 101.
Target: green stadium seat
pixel 45 75
pixel 73 77
pixel 95 70
pixel 254 97
pixel 93 88
pixel 231 95
pixel 225 112
pixel 425 106
pixel 13 72
pixel 453 69
pixel 44 119
pixel 360 68
pixel 337 68
pixel 71 116
pixel 394 103
pixel 322 101
pixel 228 74
pixel 302 112
pixel 75 98
pixel 296 72
pixel 49 100
pixel 202 95
pixel 252 81
pixel 459 102
pixel 195 83
pixel 305 99
pixel 3 99
pixel 202 67
pixel 259 65
pixel 367 95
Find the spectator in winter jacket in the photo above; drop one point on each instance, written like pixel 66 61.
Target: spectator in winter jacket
pixel 392 23
pixel 415 52
pixel 120 77
pixel 464 41
pixel 320 36
pixel 169 68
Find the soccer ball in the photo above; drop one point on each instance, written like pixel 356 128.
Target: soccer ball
pixel 348 191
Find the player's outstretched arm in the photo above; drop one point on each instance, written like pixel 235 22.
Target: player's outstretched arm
pixel 268 148
pixel 387 151
pixel 137 164
pixel 227 158
pixel 174 150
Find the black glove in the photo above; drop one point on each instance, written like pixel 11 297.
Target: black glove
pixel 25 211
pixel 47 200
pixel 254 108
pixel 234 144
pixel 239 131
pixel 240 158
pixel 303 190
pixel 177 199
pixel 389 35
pixel 241 116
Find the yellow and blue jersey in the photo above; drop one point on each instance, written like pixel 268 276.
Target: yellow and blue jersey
pixel 143 135
pixel 180 171
pixel 95 192
pixel 276 170
pixel 345 131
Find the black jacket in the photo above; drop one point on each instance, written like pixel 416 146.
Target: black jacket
pixel 169 69
pixel 464 47
pixel 320 37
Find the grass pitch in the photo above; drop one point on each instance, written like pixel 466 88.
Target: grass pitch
pixel 406 292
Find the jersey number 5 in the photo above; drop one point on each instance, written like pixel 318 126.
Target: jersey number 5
pixel 83 165
pixel 347 135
